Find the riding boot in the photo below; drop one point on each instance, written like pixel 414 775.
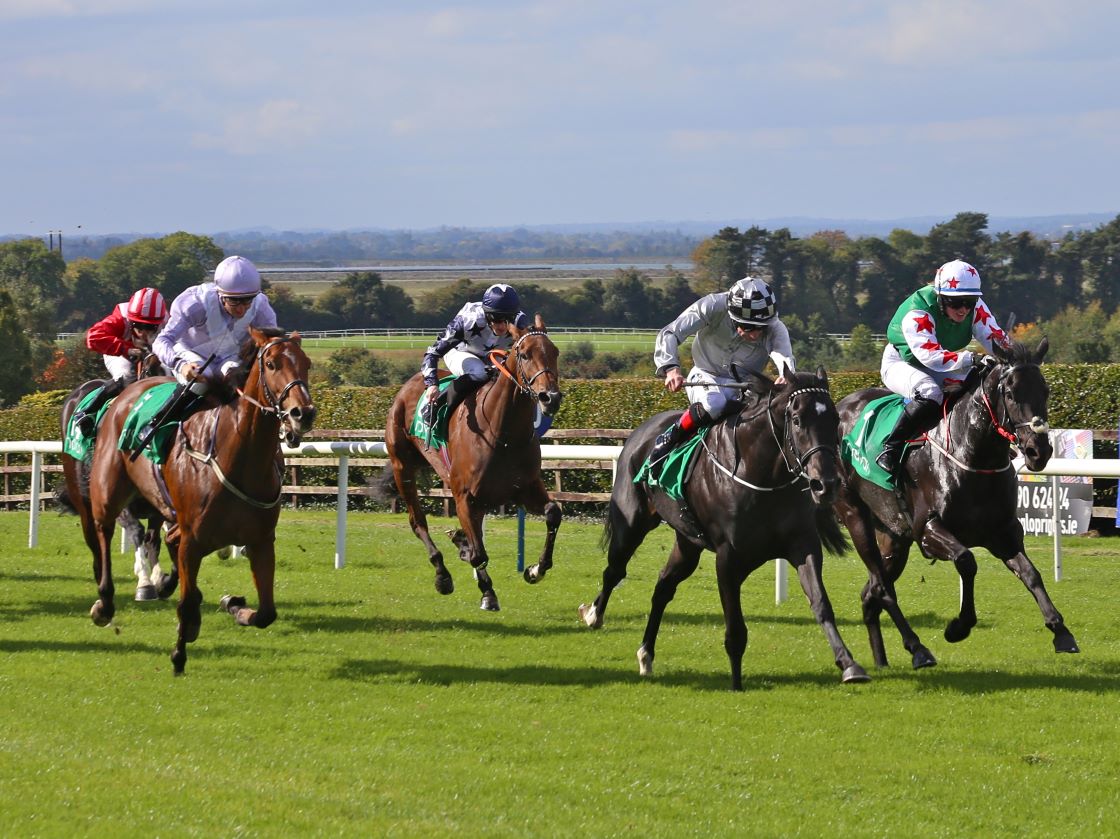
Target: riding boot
pixel 86 420
pixel 460 389
pixel 691 421
pixel 918 417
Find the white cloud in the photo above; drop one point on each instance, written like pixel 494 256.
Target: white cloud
pixel 278 125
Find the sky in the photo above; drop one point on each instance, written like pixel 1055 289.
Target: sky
pixel 216 115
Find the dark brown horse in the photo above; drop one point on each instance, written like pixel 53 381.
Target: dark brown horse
pixel 146 540
pixel 220 484
pixel 958 492
pixel 760 490
pixel 492 457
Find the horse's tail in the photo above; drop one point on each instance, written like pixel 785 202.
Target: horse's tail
pixel 62 498
pixel 828 526
pixel 608 531
pixel 383 489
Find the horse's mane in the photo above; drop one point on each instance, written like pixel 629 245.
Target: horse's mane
pixel 248 356
pixel 1019 353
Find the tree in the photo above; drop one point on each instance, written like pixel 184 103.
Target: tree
pixel 363 301
pixel 15 372
pixel 170 264
pixel 862 351
pixel 32 277
pixel 629 299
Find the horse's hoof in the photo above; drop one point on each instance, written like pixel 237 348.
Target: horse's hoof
pixel 854 674
pixel 1065 644
pixel 923 658
pixel 590 616
pixel 645 662
pixel 444 583
pixel 956 631
pixel 146 593
pixel 178 661
pixel 166 586
pixel 99 614
pixel 489 603
pixel 533 574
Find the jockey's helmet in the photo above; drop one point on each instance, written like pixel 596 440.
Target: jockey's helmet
pixel 236 276
pixel 147 306
pixel 957 279
pixel 501 300
pixel 751 302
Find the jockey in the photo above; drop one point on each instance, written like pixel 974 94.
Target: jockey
pixel 213 318
pixel 124 337
pixel 736 331
pixel 471 334
pixel 926 350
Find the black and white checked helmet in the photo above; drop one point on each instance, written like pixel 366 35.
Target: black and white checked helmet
pixel 751 302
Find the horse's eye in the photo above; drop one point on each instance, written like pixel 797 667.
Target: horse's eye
pixel 797 422
pixel 270 365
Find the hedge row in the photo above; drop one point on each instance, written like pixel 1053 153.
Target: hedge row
pixel 1082 396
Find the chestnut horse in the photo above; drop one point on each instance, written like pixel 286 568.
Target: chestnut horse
pixel 760 489
pixel 492 457
pixel 220 484
pixel 958 491
pixel 73 496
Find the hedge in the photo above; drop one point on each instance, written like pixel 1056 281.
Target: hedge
pixel 1081 396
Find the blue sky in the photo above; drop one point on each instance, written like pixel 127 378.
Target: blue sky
pixel 137 116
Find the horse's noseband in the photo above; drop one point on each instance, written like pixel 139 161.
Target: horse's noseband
pixel 275 403
pixel 800 458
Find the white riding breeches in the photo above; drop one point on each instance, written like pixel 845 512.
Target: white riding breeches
pixel 703 388
pixel 911 382
pixel 465 364
pixel 119 367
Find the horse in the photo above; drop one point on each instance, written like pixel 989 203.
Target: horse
pixel 492 457
pixel 73 496
pixel 220 484
pixel 958 491
pixel 760 489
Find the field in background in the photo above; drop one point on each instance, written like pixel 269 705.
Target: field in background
pixel 374 706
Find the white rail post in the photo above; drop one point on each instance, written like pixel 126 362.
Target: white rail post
pixel 36 482
pixel 340 520
pixel 1056 521
pixel 781 586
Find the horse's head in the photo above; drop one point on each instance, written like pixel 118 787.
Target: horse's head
pixel 282 368
pixel 811 436
pixel 1018 390
pixel 532 362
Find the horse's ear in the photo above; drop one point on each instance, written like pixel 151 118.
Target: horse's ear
pixel 538 323
pixel 1001 352
pixel 822 376
pixel 259 338
pixel 296 338
pixel 1043 346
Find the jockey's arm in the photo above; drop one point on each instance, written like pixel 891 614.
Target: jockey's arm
pixel 452 336
pixel 921 337
pixel 169 345
pixel 666 350
pixel 985 329
pixel 105 336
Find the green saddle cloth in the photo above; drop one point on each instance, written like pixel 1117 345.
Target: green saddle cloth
pixel 435 435
pixel 860 446
pixel 674 468
pixel 75 443
pixel 143 410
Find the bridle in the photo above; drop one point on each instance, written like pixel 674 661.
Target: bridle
pixel 499 358
pixel 785 440
pixel 275 402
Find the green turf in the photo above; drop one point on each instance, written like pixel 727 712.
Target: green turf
pixel 376 707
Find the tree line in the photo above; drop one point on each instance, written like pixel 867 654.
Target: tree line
pixel 827 282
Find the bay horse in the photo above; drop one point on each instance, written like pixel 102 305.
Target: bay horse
pixel 760 489
pixel 492 457
pixel 958 492
pixel 74 496
pixel 220 484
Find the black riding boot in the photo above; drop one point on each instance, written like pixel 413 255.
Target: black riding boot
pixel 459 390
pixel 918 417
pixel 86 420
pixel 696 417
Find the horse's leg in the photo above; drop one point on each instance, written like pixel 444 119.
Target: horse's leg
pixel 683 559
pixel 404 473
pixel 189 558
pixel 536 501
pixel 623 534
pixel 879 593
pixel 262 562
pixel 103 609
pixel 809 574
pixel 168 582
pixel 939 543
pixel 1010 552
pixel 730 575
pixel 468 539
pixel 144 560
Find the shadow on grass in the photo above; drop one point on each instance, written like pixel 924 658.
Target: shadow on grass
pixel 108 645
pixel 355 624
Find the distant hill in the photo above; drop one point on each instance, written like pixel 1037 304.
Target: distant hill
pixel 606 241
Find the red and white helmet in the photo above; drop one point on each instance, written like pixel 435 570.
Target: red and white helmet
pixel 957 279
pixel 237 276
pixel 147 306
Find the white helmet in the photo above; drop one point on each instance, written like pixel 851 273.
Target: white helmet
pixel 751 302
pixel 235 275
pixel 957 279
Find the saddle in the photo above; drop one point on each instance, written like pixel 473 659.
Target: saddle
pixel 677 468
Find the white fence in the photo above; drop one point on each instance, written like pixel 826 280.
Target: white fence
pixel 1056 468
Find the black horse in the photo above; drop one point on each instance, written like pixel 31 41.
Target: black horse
pixel 958 492
pixel 760 490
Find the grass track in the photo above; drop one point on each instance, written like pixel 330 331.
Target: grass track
pixel 373 706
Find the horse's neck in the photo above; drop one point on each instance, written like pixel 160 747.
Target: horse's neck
pixel 257 430
pixel 973 437
pixel 503 408
pixel 757 444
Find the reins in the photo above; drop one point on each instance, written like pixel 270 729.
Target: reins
pixel 500 358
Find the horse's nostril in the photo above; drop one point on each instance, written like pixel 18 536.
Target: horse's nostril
pixel 296 413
